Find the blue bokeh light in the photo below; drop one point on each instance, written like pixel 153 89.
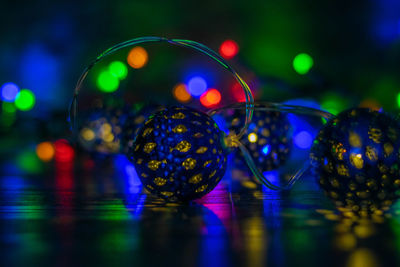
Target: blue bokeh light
pixel 9 91
pixel 197 86
pixel 303 140
pixel 265 150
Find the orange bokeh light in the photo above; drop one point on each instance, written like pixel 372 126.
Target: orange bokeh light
pixel 137 57
pixel 181 93
pixel 45 151
pixel 229 49
pixel 210 98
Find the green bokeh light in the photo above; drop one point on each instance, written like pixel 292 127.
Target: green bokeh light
pixel 25 100
pixel 107 82
pixel 302 63
pixel 29 162
pixel 398 99
pixel 8 107
pixel 334 103
pixel 118 69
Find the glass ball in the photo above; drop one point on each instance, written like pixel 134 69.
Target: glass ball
pixel 356 159
pixel 178 154
pixel 267 139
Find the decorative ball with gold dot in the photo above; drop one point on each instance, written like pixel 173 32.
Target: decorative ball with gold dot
pixel 267 138
pixel 356 160
pixel 102 130
pixel 178 154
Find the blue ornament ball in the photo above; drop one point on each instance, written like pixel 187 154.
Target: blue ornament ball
pixel 179 154
pixel 267 139
pixel 356 160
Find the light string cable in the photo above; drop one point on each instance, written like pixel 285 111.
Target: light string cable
pixel 72 114
pixel 269 106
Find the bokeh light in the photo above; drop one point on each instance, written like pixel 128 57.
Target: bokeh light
pixel 303 140
pixel 9 92
pixel 137 57
pixel 229 49
pixel 210 98
pixel 63 151
pixel 238 92
pixel 265 149
pixel 197 86
pixel 252 137
pixel 118 69
pixel 45 151
pixel 8 107
pixel 25 100
pixel 302 63
pixel 181 93
pixel 107 82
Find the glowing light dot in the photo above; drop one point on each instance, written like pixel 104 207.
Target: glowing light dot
pixel 252 137
pixel 118 69
pixel 45 151
pixel 398 99
pixel 87 134
pixel 302 63
pixel 238 93
pixel 107 82
pixel 265 150
pixel 137 57
pixel 210 98
pixel 181 93
pixel 197 86
pixel 25 100
pixel 9 92
pixel 228 49
pixel 63 151
pixel 303 140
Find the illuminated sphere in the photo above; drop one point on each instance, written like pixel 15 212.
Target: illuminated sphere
pixel 267 139
pixel 178 154
pixel 356 160
pixel 102 130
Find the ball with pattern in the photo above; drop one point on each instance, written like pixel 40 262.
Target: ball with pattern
pixel 178 154
pixel 356 160
pixel 267 139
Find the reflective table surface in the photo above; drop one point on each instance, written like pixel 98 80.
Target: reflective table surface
pixel 90 215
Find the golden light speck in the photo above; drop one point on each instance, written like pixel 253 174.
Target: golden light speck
pixel 183 146
pixel 139 161
pixel 371 153
pixel 356 160
pixel 262 141
pixel 196 114
pixel 178 116
pixel 252 137
pixel 150 187
pixel 342 170
pixel 153 164
pixel 148 147
pixel 147 131
pixel 87 134
pixel 355 140
pixel 198 135
pixel 388 148
pixel 211 141
pixel 214 151
pixel 180 129
pixel 144 175
pixel 201 188
pixel 265 132
pixel 207 163
pixel 201 150
pixel 189 163
pixel 375 134
pixel 195 179
pixel 160 181
pixel 212 174
pixel 167 194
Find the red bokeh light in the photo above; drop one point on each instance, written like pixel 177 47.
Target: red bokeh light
pixel 210 98
pixel 238 93
pixel 228 49
pixel 64 152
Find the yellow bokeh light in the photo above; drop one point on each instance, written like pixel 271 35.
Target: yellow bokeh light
pixel 45 151
pixel 252 138
pixel 181 93
pixel 137 57
pixel 87 134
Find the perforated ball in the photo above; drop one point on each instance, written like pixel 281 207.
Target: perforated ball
pixel 356 160
pixel 267 139
pixel 178 154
